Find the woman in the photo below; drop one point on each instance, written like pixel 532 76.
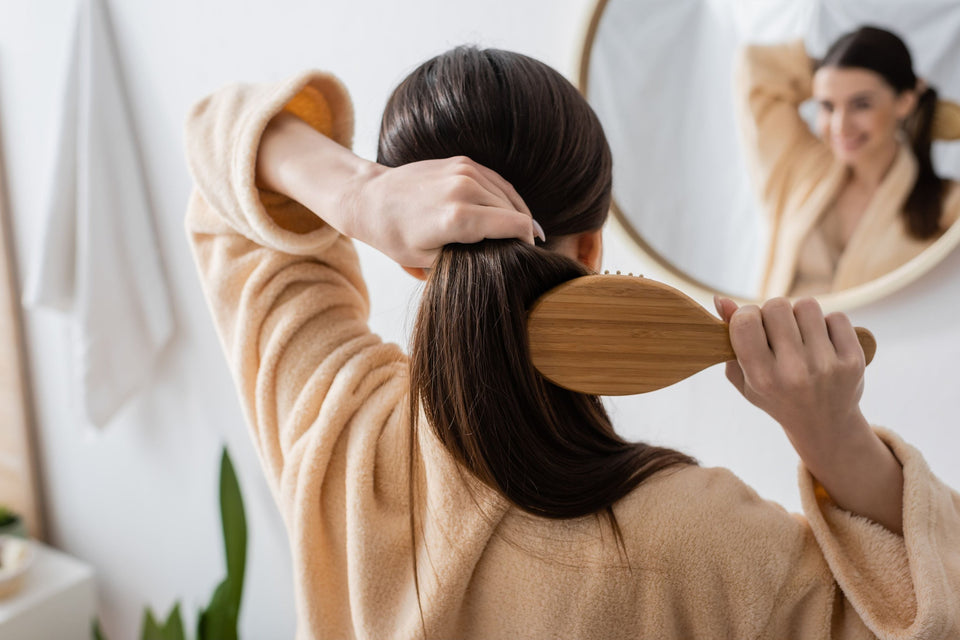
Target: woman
pixel 457 494
pixel 861 199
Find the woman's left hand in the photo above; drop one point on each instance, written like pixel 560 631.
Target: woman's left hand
pixel 408 212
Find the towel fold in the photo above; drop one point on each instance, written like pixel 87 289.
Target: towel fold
pixel 99 263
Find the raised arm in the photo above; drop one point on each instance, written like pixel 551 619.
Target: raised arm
pixel 806 371
pixel 284 288
pixel 771 82
pixel 277 195
pixel 409 212
pixel 886 527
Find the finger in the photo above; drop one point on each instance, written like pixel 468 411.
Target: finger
pixel 499 186
pixel 843 337
pixel 497 191
pixel 479 190
pixel 504 188
pixel 813 327
pixel 725 307
pixel 481 222
pixel 783 334
pixel 475 189
pixel 748 338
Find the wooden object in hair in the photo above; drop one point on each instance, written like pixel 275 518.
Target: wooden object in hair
pixel 619 335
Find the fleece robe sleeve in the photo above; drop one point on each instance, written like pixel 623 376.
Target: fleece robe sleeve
pixel 829 573
pixel 288 300
pixel 900 586
pixel 738 566
pixel 323 396
pixel 771 82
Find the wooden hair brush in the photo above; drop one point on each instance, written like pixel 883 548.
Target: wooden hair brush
pixel 619 335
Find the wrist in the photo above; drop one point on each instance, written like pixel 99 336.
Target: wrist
pixel 349 199
pixel 328 179
pixel 824 450
pixel 864 477
pixel 303 164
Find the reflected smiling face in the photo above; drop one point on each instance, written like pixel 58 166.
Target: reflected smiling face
pixel 859 112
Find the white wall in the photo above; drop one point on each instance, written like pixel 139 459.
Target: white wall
pixel 138 499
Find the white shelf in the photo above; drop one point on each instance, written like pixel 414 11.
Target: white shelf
pixel 56 602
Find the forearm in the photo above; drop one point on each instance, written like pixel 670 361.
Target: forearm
pixel 303 164
pixel 858 471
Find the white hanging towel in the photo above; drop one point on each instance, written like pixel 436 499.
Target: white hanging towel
pixel 99 263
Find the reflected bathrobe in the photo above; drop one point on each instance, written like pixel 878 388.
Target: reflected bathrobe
pixel 798 178
pixel 325 400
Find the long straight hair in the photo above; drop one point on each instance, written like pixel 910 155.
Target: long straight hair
pixel 885 54
pixel 550 451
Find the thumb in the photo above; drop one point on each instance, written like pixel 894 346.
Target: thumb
pixel 735 375
pixel 725 307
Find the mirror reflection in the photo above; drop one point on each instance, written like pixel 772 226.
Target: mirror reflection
pixel 784 148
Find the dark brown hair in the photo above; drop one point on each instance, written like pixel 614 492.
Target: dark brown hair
pixel 550 451
pixel 885 54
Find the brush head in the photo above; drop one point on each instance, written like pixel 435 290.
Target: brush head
pixel 621 335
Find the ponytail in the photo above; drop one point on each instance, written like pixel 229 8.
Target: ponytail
pixel 550 451
pixel 924 204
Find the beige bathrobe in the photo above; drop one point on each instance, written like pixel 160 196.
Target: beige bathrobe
pixel 798 178
pixel 325 402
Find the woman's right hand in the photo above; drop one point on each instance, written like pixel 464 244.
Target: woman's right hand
pixel 806 370
pixel 801 367
pixel 408 212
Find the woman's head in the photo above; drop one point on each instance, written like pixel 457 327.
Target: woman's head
pixel 868 93
pixel 514 115
pixel 550 451
pixel 866 87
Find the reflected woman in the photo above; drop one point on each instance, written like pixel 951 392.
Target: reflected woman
pixel 863 198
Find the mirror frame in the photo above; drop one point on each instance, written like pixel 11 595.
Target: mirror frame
pixel 843 300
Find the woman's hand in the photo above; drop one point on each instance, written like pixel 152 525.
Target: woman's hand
pixel 802 368
pixel 806 370
pixel 409 212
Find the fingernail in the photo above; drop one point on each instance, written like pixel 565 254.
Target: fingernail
pixel 716 303
pixel 538 231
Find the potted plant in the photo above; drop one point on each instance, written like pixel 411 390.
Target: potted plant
pixel 218 621
pixel 11 523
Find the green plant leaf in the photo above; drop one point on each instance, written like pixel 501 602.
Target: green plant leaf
pixel 203 623
pixel 234 528
pixel 149 629
pixel 95 632
pixel 219 620
pixel 7 516
pixel 172 629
